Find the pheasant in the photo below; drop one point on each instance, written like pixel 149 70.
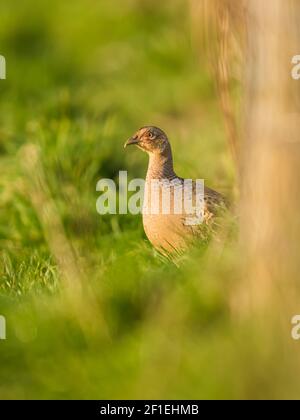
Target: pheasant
pixel 170 232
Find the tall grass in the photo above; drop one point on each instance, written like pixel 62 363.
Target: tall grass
pixel 270 224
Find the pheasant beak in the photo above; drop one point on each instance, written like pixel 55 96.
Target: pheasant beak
pixel 132 140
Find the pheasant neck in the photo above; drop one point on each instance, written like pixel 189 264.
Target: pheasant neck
pixel 161 166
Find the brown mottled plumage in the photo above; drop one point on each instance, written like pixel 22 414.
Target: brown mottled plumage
pixel 169 232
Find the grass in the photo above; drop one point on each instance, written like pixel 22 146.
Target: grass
pixel 92 310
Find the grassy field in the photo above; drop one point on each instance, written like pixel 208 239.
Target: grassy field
pixel 92 310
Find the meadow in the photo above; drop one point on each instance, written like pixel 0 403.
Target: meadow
pixel 92 311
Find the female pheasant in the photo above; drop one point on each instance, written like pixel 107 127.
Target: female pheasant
pixel 170 231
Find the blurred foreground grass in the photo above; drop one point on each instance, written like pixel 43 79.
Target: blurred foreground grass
pixel 82 76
